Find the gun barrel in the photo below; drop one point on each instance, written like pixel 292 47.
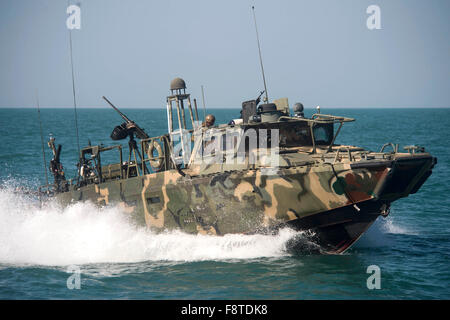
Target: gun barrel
pixel 140 133
pixel 118 111
pixel 262 92
pixel 259 97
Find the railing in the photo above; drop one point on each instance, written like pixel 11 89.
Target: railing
pixel 328 117
pixel 394 147
pixel 345 149
pixel 414 149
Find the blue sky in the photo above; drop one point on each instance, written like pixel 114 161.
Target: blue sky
pixel 319 52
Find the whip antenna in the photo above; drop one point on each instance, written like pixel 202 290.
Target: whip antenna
pixel 204 107
pixel 260 58
pixel 73 90
pixel 42 139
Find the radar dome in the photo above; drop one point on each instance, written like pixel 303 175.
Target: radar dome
pixel 177 84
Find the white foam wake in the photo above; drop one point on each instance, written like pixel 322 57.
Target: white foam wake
pixel 376 236
pixel 389 226
pixel 83 233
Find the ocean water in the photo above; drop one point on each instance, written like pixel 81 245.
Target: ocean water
pixel 41 247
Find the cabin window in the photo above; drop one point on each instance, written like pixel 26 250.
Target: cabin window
pixel 299 134
pixel 294 135
pixel 323 133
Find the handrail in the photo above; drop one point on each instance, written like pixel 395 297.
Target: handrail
pixel 343 149
pixel 394 147
pixel 331 117
pixel 315 119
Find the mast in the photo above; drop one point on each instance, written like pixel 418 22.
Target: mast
pixel 260 58
pixel 73 89
pixel 42 139
pixel 204 106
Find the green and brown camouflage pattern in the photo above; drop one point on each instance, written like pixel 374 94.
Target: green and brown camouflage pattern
pixel 244 201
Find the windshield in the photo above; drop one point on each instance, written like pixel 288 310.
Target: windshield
pixel 323 133
pixel 299 134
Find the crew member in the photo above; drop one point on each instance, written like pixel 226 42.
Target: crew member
pixel 209 121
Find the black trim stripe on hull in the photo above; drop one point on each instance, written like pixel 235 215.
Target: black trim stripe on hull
pixel 336 230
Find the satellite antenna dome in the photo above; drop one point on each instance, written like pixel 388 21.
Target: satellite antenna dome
pixel 298 110
pixel 177 84
pixel 298 107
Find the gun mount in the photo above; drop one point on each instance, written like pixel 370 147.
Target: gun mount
pixel 128 128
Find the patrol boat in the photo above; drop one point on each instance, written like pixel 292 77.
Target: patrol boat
pixel 266 170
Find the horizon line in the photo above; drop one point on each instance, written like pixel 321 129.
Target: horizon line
pixel 216 107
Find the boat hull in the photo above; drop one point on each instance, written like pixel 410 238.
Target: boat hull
pixel 336 202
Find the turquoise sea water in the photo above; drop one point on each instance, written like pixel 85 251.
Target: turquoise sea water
pixel 118 260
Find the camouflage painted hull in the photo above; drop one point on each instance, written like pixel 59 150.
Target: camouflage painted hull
pixel 336 201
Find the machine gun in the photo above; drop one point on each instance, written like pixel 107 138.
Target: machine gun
pixel 56 167
pixel 258 100
pixel 128 128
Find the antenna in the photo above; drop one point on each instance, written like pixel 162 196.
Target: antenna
pixel 260 58
pixel 42 138
pixel 204 107
pixel 73 89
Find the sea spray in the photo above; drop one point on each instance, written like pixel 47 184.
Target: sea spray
pixel 83 233
pixel 378 234
pixel 390 226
